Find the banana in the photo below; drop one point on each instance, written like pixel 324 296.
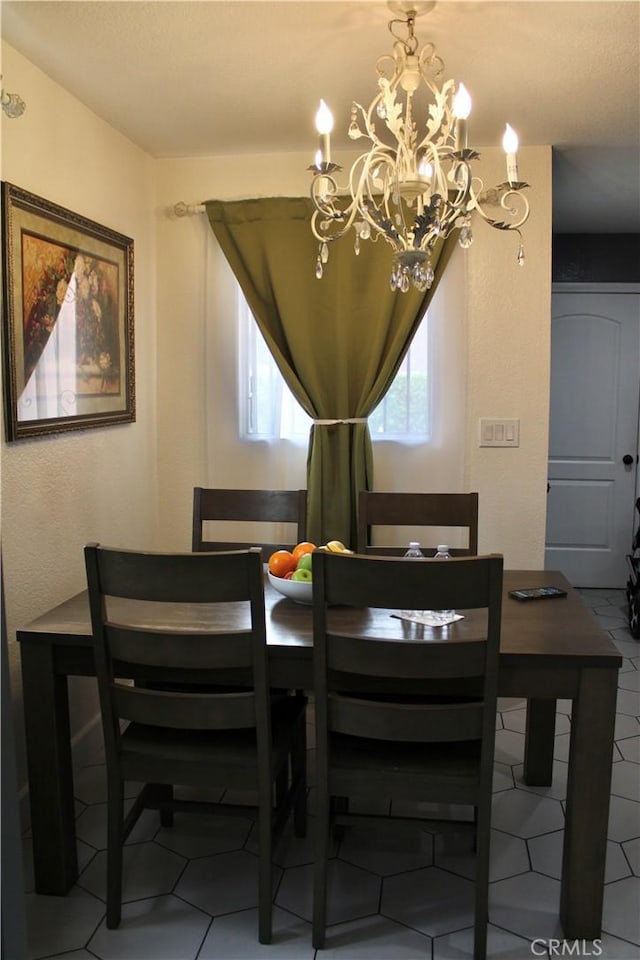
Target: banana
pixel 336 546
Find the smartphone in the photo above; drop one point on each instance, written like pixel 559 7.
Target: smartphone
pixel 537 593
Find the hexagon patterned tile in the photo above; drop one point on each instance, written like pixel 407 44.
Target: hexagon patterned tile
pixel 431 900
pixel 405 892
pixel 352 892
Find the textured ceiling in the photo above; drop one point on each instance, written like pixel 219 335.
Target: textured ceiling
pixel 197 78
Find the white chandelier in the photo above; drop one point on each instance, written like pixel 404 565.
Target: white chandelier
pixel 411 186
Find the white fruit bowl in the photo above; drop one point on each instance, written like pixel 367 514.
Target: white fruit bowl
pixel 299 590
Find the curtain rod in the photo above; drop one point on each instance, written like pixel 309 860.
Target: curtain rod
pixel 182 209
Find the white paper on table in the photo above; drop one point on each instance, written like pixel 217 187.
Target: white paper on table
pixel 429 620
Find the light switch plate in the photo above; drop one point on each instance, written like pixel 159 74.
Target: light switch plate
pixel 499 433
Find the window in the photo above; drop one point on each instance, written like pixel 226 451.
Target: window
pixel 268 409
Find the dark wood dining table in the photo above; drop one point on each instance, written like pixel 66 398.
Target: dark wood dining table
pixel 550 649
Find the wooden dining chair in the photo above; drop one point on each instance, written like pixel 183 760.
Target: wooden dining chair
pixel 200 713
pixel 416 510
pixel 257 506
pixel 405 720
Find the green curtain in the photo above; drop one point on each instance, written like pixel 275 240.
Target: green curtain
pixel 338 342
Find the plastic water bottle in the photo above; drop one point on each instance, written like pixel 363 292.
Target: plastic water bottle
pixel 414 553
pixel 442 553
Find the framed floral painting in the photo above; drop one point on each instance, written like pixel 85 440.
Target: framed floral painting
pixel 67 319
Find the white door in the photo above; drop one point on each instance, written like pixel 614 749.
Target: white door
pixel 593 433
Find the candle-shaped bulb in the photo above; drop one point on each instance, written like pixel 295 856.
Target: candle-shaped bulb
pixel 510 140
pixel 462 103
pixel 461 111
pixel 510 147
pixel 324 126
pixel 425 169
pixel 324 119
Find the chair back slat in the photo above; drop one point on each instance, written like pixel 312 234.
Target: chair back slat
pixel 416 511
pixel 180 650
pixel 387 671
pixel 175 577
pixel 451 584
pixel 369 657
pixel 155 618
pixel 405 721
pixel 186 711
pixel 257 506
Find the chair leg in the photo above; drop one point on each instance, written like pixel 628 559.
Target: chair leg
pixel 299 778
pixel 165 793
pixel 339 805
pixel 483 842
pixel 115 817
pixel 282 786
pixel 322 819
pixel 475 829
pixel 264 863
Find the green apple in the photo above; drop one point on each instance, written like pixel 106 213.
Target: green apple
pixel 304 563
pixel 302 575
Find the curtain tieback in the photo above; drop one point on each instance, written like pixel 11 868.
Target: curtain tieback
pixel 331 423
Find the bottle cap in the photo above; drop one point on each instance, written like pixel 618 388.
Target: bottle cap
pixel 443 548
pixel 415 543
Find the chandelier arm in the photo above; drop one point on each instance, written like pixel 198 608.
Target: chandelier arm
pixel 329 224
pixel 323 190
pixel 452 207
pixel 462 178
pixel 511 200
pixel 354 130
pixel 404 236
pixel 440 179
pixel 367 200
pixel 386 67
pixel 370 123
pixel 431 65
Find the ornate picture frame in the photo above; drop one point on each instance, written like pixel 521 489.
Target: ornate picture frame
pixel 67 318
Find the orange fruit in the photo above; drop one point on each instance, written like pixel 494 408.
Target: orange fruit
pixel 282 562
pixel 301 548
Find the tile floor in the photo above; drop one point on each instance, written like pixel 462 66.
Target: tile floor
pixel 403 893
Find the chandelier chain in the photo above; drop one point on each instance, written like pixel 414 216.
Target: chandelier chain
pixel 410 43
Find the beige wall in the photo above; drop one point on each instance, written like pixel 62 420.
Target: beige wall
pixel 508 342
pixel 60 492
pixel 132 484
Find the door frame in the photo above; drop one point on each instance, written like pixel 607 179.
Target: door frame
pixel 566 286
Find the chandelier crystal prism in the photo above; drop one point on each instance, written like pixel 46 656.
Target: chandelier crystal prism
pixel 414 183
pixel 13 105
